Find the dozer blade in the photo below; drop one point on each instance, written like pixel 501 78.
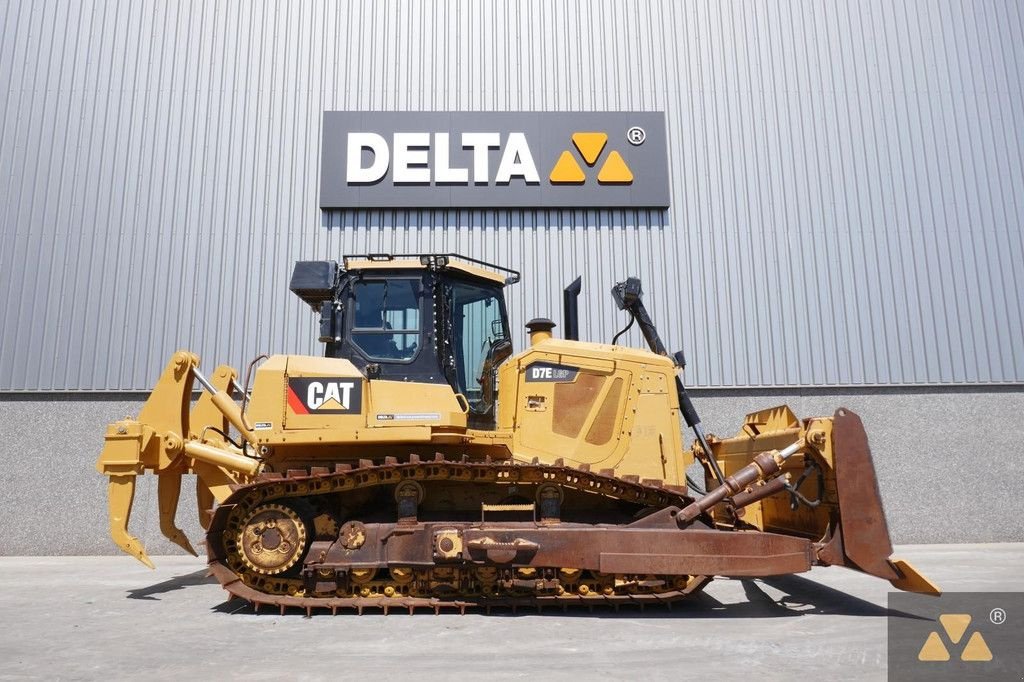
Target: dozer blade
pixel 862 539
pixel 120 495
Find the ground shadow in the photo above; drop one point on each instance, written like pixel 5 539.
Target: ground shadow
pixel 236 605
pixel 180 582
pixel 825 600
pixel 801 597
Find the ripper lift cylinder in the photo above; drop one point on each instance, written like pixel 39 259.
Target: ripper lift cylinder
pixel 228 407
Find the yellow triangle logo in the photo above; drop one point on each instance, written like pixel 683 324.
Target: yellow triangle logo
pixel 615 171
pixel 590 145
pixel 955 625
pixel 933 649
pixel 567 171
pixel 976 649
pixel 331 404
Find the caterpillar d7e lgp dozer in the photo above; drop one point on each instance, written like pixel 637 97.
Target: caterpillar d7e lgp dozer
pixel 421 464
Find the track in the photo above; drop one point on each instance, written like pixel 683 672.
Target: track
pixel 442 587
pixel 234 585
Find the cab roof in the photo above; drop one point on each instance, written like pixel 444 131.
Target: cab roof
pixel 439 261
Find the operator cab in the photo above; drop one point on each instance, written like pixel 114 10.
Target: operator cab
pixel 423 318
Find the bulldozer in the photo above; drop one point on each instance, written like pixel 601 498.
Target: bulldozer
pixel 422 464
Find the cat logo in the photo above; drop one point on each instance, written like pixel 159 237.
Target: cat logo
pixel 325 395
pixel 614 170
pixel 955 625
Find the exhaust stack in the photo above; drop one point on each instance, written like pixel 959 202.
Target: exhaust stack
pixel 571 309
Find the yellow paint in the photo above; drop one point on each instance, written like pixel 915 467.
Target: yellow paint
pixel 157 441
pixel 590 145
pixel 205 413
pixel 976 649
pixel 955 625
pixel 933 649
pixel 567 171
pixel 645 410
pixel 414 264
pixel 911 579
pixel 615 171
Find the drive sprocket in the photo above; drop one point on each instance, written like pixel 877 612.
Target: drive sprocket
pixel 272 539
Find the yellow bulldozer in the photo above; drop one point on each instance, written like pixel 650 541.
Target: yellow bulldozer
pixel 422 464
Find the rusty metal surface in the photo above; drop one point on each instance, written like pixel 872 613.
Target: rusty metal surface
pixel 650 561
pixel 667 550
pixel 391 558
pixel 763 466
pixel 236 588
pixel 865 533
pixel 830 550
pixel 775 485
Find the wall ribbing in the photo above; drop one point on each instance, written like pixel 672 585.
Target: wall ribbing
pixel 847 178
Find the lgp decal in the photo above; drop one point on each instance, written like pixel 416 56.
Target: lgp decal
pixel 325 395
pixel 545 371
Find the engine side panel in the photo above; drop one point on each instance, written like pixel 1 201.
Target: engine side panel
pixel 609 407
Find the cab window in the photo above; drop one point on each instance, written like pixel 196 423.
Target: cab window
pixel 386 321
pixel 478 323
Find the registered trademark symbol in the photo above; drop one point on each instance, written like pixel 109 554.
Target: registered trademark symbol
pixel 997 616
pixel 636 135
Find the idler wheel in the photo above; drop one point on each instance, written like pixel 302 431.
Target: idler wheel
pixel 272 539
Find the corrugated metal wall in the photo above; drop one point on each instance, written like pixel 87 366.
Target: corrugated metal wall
pixel 848 191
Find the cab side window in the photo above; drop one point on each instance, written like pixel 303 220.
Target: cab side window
pixel 478 324
pixel 386 319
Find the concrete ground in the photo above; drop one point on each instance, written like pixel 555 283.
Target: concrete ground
pixel 109 617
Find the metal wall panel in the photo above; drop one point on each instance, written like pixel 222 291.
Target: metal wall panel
pixel 847 178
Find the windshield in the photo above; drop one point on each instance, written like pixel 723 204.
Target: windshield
pixel 387 318
pixel 478 323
